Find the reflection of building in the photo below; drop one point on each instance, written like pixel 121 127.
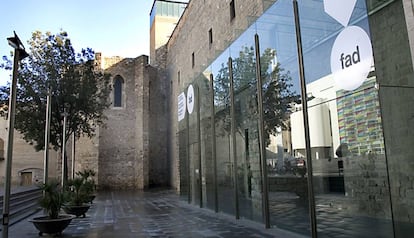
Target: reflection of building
pixel 360 120
pixel 335 116
pixel 320 130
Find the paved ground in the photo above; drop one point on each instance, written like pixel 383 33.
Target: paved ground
pixel 152 214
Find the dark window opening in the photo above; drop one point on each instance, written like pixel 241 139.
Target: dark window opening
pixel 232 10
pixel 192 60
pixel 210 37
pixel 118 85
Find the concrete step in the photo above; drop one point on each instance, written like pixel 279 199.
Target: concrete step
pixel 22 204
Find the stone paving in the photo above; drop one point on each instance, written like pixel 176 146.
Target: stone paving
pixel 152 214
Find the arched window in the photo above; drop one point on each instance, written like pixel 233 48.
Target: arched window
pixel 118 86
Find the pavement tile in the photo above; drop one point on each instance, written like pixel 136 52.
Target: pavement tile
pixel 123 214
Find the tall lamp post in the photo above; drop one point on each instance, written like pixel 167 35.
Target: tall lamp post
pixel 47 136
pixel 19 54
pixel 64 168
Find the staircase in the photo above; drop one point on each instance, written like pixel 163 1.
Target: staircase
pixel 23 203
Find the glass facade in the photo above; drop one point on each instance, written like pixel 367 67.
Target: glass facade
pixel 167 9
pixel 223 146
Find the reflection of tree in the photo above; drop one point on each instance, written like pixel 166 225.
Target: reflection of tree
pixel 276 86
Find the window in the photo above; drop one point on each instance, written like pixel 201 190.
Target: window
pixel 1 149
pixel 210 37
pixel 232 10
pixel 118 86
pixel 192 60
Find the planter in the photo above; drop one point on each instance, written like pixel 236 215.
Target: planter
pixel 76 210
pixel 51 226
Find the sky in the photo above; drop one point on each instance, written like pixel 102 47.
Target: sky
pixel 115 28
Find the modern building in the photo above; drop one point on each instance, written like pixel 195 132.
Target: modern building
pixel 357 69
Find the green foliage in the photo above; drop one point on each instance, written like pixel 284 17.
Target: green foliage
pixel 81 188
pixel 276 89
pixel 75 84
pixel 52 199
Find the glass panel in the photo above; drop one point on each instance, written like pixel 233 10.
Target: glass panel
pixel 164 11
pixel 347 147
pixel 170 9
pixel 374 5
pixel 183 142
pixel 246 127
pixel 288 199
pixel 194 156
pixel 225 170
pixel 203 82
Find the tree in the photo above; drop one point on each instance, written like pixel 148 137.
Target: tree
pixel 276 86
pixel 75 84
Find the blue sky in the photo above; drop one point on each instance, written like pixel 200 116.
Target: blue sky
pixel 115 28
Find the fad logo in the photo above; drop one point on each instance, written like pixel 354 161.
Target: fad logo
pixel 351 56
pixel 190 99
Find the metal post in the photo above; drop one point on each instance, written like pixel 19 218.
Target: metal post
pixel 47 137
pixel 311 197
pixel 187 124
pixel 12 108
pixel 233 139
pixel 213 143
pixel 65 114
pixel 73 154
pixel 200 174
pixel 263 162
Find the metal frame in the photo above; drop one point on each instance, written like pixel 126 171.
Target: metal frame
pixel 233 139
pixel 265 189
pixel 213 142
pixel 311 197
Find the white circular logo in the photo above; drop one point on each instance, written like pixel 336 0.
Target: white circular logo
pixel 351 58
pixel 190 99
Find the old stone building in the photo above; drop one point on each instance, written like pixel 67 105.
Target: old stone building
pixel 27 166
pixel 130 150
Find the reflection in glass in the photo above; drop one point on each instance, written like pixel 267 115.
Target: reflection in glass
pixel 347 148
pixel 346 138
pixel 225 166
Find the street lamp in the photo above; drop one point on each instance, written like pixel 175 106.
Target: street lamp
pixel 19 54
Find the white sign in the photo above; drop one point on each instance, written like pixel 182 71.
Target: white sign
pixel 182 106
pixel 340 10
pixel 190 99
pixel 351 56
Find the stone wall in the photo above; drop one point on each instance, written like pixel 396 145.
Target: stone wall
pixel 366 185
pixel 123 141
pixel 24 158
pixel 191 36
pixel 159 89
pixel 87 154
pixel 394 71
